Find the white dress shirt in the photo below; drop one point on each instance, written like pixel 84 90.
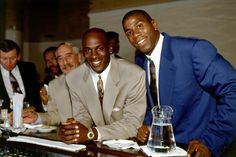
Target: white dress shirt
pixel 156 57
pixel 95 78
pixel 7 83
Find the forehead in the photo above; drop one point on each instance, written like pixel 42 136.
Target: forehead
pixel 94 39
pixel 135 19
pixel 64 49
pixel 11 53
pixel 49 54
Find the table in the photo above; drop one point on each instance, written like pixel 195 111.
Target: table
pixel 92 148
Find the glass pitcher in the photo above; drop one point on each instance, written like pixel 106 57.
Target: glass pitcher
pixel 161 138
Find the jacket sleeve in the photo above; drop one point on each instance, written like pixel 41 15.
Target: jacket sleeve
pixel 217 77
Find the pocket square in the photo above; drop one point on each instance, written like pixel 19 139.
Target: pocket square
pixel 116 109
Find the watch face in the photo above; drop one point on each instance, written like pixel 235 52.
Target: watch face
pixel 90 134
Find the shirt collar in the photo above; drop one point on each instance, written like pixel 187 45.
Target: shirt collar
pixel 6 72
pixel 156 53
pixel 103 74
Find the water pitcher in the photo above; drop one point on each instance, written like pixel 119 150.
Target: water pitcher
pixel 161 138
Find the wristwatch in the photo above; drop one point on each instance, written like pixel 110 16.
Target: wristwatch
pixel 90 134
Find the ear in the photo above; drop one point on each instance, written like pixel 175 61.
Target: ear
pixel 155 24
pixel 19 57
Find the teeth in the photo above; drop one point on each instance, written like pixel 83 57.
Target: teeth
pixel 96 63
pixel 141 41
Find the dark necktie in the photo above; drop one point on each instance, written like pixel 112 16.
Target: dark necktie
pixel 153 85
pixel 100 88
pixel 14 84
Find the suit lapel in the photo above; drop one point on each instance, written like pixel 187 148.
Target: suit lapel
pixel 3 93
pixel 111 90
pixel 92 99
pixel 167 73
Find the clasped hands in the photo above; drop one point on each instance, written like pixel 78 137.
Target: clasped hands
pixel 195 147
pixel 73 132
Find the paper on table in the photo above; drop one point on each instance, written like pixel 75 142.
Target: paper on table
pixel 178 152
pixel 48 143
pixel 121 144
pixel 17 110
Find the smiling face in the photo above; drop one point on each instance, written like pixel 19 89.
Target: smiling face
pixel 51 63
pixel 67 58
pixel 141 32
pixel 95 49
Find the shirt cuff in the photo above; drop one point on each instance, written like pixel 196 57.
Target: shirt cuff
pixel 39 120
pixel 99 135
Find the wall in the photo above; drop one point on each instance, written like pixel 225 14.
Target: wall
pixel 210 19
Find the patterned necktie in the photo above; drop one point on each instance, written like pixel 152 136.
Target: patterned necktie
pixel 100 88
pixel 153 85
pixel 14 84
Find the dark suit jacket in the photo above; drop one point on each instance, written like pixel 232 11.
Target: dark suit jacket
pixel 29 76
pixel 200 85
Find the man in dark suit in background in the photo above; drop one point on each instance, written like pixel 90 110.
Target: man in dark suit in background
pixel 114 43
pixel 52 68
pixel 24 72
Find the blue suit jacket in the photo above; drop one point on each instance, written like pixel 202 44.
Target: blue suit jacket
pixel 200 85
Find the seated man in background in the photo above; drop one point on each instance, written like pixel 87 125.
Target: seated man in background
pixel 114 43
pixel 52 71
pixel 108 95
pixel 59 103
pixel 17 76
pixel 52 68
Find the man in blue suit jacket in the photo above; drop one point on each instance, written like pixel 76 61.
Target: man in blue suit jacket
pixel 193 78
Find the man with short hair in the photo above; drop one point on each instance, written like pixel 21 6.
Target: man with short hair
pixel 59 102
pixel 52 68
pixel 114 43
pixel 24 74
pixel 108 94
pixel 191 77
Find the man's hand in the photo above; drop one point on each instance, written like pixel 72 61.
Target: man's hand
pixel 29 116
pixel 73 132
pixel 44 95
pixel 198 149
pixel 143 133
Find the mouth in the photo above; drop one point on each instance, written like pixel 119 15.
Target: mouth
pixel 140 42
pixel 95 63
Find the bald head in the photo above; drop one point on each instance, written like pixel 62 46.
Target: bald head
pixel 96 33
pixel 96 49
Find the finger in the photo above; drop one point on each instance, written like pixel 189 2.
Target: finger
pixel 71 132
pixel 71 126
pixel 192 148
pixel 75 140
pixel 142 138
pixel 199 154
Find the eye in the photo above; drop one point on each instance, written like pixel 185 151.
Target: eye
pixel 100 48
pixel 128 33
pixel 140 26
pixel 86 50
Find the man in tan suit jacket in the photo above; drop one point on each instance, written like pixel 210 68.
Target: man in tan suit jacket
pixel 59 101
pixel 122 109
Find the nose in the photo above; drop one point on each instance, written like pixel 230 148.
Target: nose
pixel 94 54
pixel 64 61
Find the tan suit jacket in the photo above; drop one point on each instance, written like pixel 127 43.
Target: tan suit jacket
pixel 59 103
pixel 124 102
